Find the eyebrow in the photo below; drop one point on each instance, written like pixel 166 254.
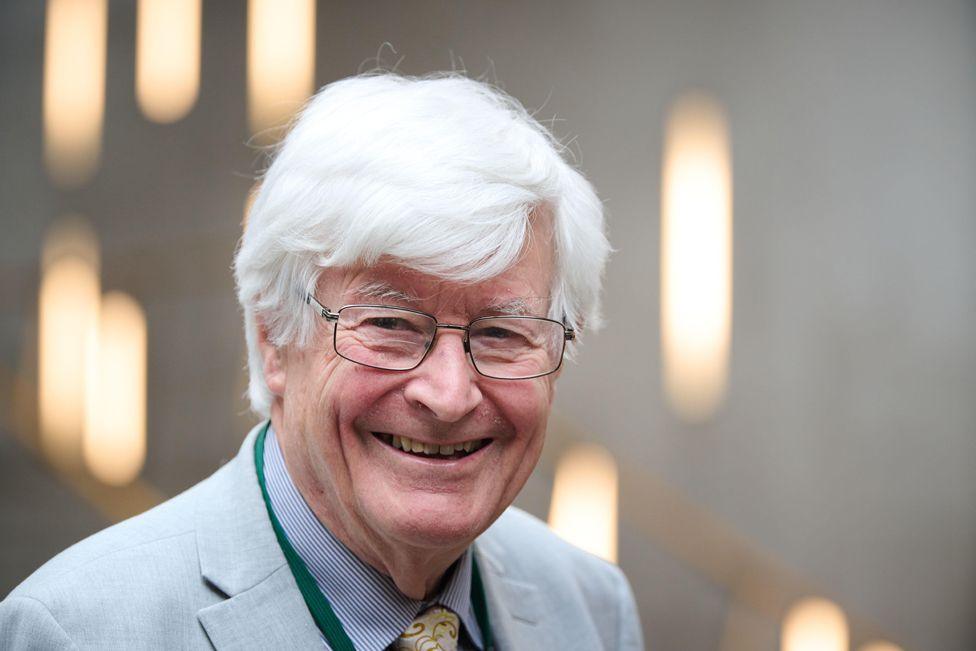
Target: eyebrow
pixel 513 306
pixel 383 291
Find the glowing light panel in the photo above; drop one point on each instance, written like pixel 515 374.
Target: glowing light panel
pixel 584 500
pixel 115 429
pixel 74 88
pixel 280 60
pixel 67 324
pixel 696 257
pixel 167 57
pixel 815 625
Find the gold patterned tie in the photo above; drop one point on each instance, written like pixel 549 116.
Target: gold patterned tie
pixel 435 629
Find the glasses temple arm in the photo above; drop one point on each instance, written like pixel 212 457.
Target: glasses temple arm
pixel 324 312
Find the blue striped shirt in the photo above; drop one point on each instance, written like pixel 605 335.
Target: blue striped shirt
pixel 372 611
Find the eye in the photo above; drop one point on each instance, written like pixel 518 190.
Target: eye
pixel 497 336
pixel 389 323
pixel 495 332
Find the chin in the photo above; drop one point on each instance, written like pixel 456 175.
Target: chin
pixel 438 528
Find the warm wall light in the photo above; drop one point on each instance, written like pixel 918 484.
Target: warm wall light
pixel 696 257
pixel 115 428
pixel 167 57
pixel 280 60
pixel 67 323
pixel 74 88
pixel 815 625
pixel 584 500
pixel 880 646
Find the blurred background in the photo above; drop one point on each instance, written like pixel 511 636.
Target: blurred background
pixel 775 433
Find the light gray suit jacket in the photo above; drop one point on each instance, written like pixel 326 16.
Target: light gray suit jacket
pixel 204 570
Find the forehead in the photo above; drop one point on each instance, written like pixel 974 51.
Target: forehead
pixel 517 291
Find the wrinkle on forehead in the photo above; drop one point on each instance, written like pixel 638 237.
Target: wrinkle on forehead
pixel 381 291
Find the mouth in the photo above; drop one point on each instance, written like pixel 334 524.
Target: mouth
pixel 423 450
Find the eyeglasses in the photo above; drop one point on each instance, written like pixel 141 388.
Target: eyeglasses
pixel 398 339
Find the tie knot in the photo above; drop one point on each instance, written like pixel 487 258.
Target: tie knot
pixel 435 629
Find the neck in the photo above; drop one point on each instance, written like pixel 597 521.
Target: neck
pixel 417 574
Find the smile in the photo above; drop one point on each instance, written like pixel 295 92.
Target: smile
pixel 431 450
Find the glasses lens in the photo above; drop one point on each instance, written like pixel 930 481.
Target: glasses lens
pixel 516 347
pixel 383 337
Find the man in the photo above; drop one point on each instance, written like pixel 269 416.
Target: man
pixel 415 263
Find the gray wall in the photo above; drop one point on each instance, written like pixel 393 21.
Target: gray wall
pixel 845 450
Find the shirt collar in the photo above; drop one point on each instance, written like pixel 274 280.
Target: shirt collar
pixel 372 610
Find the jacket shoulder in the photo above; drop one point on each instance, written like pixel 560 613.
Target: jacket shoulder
pixel 143 569
pixel 109 550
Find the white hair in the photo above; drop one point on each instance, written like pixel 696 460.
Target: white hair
pixel 440 174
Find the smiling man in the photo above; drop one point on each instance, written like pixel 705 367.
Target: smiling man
pixel 416 264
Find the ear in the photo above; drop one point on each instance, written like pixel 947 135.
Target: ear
pixel 274 362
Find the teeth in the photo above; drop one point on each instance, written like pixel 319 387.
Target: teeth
pixel 430 449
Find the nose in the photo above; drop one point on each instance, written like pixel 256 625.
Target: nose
pixel 445 384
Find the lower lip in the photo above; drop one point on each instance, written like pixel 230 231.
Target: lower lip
pixel 434 461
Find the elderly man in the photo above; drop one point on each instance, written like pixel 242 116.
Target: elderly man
pixel 416 262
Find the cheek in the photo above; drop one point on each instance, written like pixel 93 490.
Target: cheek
pixel 309 380
pixel 354 391
pixel 312 394
pixel 528 404
pixel 527 410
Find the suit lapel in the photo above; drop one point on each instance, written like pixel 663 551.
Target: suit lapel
pixel 240 557
pixel 516 609
pixel 271 615
pixel 521 617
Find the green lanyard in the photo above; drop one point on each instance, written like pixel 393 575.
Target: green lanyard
pixel 317 604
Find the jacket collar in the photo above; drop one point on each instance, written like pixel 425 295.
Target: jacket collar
pixel 514 607
pixel 240 557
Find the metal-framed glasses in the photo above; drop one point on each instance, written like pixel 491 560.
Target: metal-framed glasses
pixel 398 339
